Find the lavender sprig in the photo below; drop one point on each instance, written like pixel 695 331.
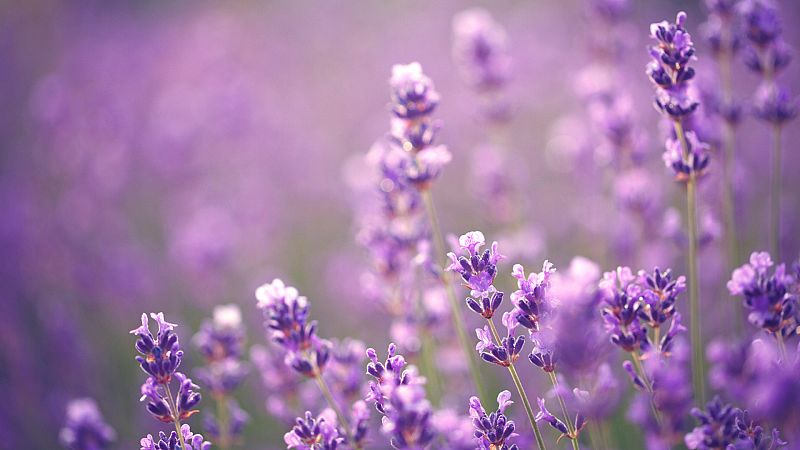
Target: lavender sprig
pixel 478 270
pixel 160 357
pixel 671 75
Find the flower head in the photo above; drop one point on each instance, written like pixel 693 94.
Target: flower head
pixel 85 428
pixel 493 431
pixel 160 354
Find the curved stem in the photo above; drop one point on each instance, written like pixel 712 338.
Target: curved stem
pixel 521 391
pixel 698 378
pixel 648 386
pixel 570 427
pixel 775 205
pixel 326 392
pixel 175 419
pixel 455 313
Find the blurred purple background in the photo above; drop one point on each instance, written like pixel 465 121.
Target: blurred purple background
pixel 173 156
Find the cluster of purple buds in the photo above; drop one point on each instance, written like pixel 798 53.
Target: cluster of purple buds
pixel 161 356
pixel 480 50
pixel 310 433
pixel 669 70
pixel 158 403
pixel 693 161
pixel 220 342
pixel 721 16
pixel 532 300
pixel 771 300
pixel 399 395
pixel 493 431
pixel 172 441
pixel 722 426
pixel 507 351
pixel 768 55
pixel 634 303
pixel 413 100
pixel 478 269
pixel 85 428
pixel 286 315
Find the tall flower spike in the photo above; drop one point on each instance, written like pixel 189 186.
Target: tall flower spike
pixel 479 49
pixel 493 431
pixel 85 428
pixel 532 301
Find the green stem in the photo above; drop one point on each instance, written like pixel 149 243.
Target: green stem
pixel 775 208
pixel 431 373
pixel 521 391
pixel 175 419
pixel 222 415
pixel 647 385
pixel 455 313
pixel 570 427
pixel 698 378
pixel 323 386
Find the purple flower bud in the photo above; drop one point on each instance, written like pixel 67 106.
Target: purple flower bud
pixel 494 430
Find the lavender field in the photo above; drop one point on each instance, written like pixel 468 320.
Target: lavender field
pixel 359 225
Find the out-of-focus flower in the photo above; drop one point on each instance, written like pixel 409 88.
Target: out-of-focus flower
pixel 770 299
pixel 172 441
pixel 480 49
pixel 85 428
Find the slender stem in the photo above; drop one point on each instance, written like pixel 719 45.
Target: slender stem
pixel 570 427
pixel 521 390
pixel 323 386
pixel 647 385
pixel 175 419
pixel 698 378
pixel 455 313
pixel 781 347
pixel 432 373
pixel 775 208
pixel 222 417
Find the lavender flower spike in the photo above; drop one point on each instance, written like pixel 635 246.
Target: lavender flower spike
pixel 477 268
pixel 161 354
pixel 480 49
pixel 554 421
pixel 493 431
pixel 85 428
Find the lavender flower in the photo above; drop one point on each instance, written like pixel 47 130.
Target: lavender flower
pixel 310 433
pixel 172 442
pixel 669 71
pixel 399 394
pixel 493 431
pixel 554 421
pixel 479 49
pixel 532 301
pixel 477 269
pixel 507 352
pixel 693 161
pixel 161 354
pixel 85 428
pixel 412 129
pixel 636 303
pixel 718 426
pixel 770 299
pixel 286 314
pixel 774 104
